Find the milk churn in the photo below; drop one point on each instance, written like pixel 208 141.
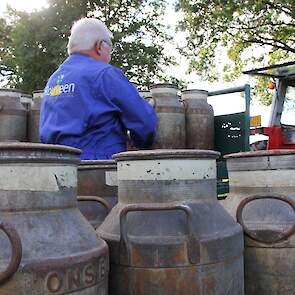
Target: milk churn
pixel 146 94
pixel 26 100
pixel 97 189
pixel 171 118
pixel 262 198
pixel 13 116
pixel 34 117
pixel 168 234
pixel 199 120
pixel 60 251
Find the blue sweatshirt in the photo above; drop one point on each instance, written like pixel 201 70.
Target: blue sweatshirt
pixel 90 105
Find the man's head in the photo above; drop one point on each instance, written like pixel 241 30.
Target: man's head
pixel 91 36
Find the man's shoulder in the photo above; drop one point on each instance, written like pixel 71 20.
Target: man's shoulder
pixel 110 71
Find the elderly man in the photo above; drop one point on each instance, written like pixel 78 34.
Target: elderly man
pixel 89 104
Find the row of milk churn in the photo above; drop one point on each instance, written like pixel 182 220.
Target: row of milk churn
pixel 185 121
pixel 157 227
pixel 19 115
pixel 182 121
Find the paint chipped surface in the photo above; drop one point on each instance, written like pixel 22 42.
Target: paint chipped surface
pixel 37 177
pixel 167 169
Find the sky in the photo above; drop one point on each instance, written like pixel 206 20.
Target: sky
pixel 221 104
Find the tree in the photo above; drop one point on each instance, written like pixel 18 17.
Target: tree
pixel 249 32
pixel 36 42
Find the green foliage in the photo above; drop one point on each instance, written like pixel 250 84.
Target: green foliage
pixel 37 41
pixel 253 32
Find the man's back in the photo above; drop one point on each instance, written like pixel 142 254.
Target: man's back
pixel 90 105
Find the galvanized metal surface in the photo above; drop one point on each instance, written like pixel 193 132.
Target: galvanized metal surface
pixel 199 120
pixel 98 180
pixel 171 119
pixel 60 251
pixel 34 117
pixel 171 243
pixel 262 196
pixel 267 236
pixel 13 116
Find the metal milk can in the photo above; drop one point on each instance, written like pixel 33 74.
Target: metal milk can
pixel 199 120
pixel 168 234
pixel 60 251
pixel 26 100
pixel 170 132
pixel 97 189
pixel 262 198
pixel 34 117
pixel 13 116
pixel 146 94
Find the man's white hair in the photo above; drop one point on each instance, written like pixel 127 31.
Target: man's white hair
pixel 85 32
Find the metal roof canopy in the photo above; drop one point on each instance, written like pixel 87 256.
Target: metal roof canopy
pixel 279 71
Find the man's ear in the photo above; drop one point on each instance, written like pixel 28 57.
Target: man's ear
pixel 98 46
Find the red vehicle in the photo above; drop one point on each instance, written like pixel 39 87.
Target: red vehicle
pixel 281 127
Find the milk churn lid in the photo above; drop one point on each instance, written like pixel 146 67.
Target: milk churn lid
pixel 194 94
pixel 37 152
pixel 260 154
pixel 38 91
pixel 11 90
pixel 166 154
pixel 164 85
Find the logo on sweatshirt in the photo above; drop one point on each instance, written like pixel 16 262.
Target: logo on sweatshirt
pixel 59 87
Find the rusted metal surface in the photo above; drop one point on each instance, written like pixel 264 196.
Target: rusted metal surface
pixel 95 199
pixel 262 198
pixel 193 251
pixel 16 254
pixel 171 119
pixel 60 251
pixel 97 178
pixel 266 235
pixel 13 116
pixel 199 120
pixel 175 243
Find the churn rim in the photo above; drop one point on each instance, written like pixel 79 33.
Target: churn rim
pixel 166 154
pixel 97 164
pixel 14 90
pixel 38 146
pixel 193 90
pixel 263 153
pixel 165 85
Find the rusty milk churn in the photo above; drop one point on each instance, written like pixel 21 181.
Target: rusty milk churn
pixel 60 251
pixel 13 116
pixel 262 197
pixel 97 189
pixel 34 117
pixel 171 118
pixel 168 234
pixel 199 120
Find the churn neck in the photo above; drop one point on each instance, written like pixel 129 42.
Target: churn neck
pixel 166 175
pixel 37 176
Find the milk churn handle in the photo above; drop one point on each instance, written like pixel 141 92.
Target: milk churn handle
pixel 193 254
pixel 96 199
pixel 152 102
pixel 267 237
pixel 16 254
